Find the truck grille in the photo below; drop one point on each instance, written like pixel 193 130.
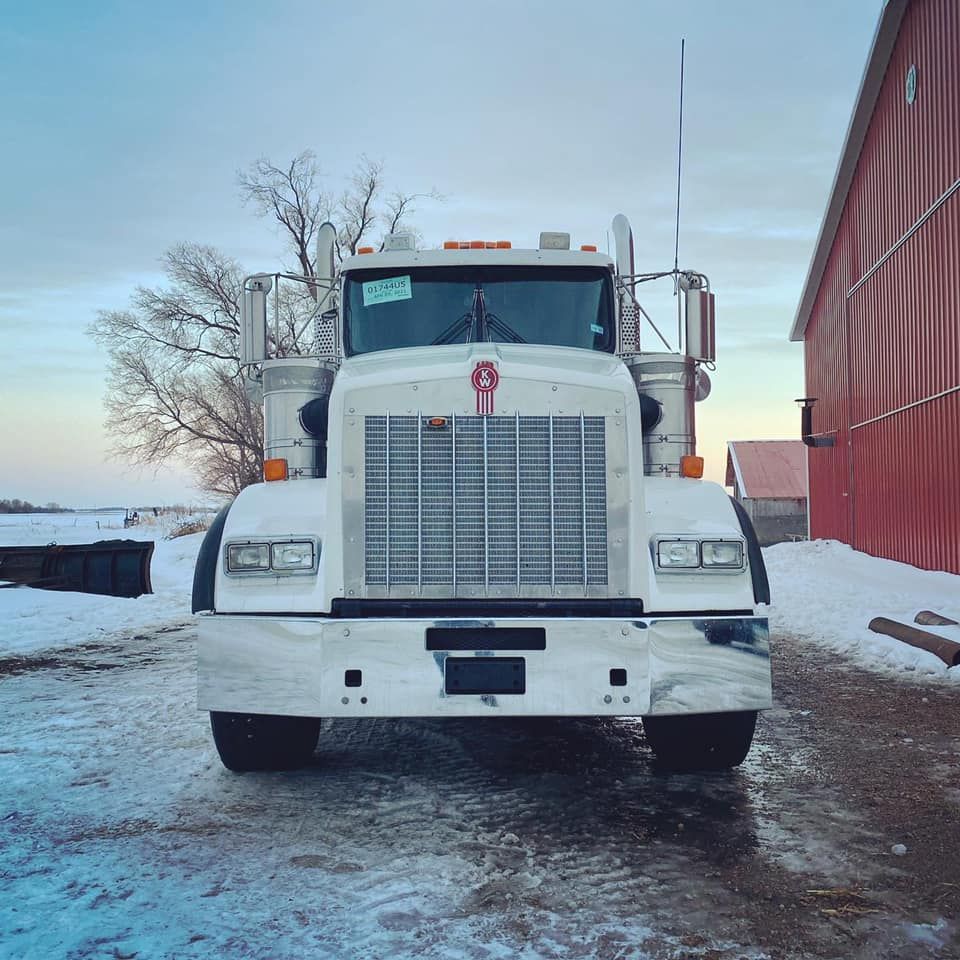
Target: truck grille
pixel 491 501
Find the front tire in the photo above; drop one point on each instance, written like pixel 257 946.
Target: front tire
pixel 250 741
pixel 705 741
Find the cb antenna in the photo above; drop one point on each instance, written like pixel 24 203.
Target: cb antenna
pixel 676 240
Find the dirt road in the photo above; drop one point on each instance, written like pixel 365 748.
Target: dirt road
pixel 121 835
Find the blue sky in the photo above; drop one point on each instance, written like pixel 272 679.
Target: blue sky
pixel 125 125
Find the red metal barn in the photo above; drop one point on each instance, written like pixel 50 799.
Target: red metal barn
pixel 880 311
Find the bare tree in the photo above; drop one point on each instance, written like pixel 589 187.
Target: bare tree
pixel 294 197
pixel 175 388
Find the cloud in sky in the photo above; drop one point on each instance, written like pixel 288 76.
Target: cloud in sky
pixel 128 124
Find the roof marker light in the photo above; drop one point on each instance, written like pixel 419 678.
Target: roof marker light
pixel 364 250
pixel 504 244
pixel 588 247
pixel 451 244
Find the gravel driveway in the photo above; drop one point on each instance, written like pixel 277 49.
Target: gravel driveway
pixel 122 836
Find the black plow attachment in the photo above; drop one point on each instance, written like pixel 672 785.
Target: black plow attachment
pixel 112 568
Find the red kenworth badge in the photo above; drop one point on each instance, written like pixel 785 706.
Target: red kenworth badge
pixel 485 379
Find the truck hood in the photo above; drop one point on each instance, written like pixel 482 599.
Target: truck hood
pixel 429 375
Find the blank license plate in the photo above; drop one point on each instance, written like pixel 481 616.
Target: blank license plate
pixel 485 675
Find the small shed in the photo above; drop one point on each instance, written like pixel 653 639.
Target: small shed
pixel 769 477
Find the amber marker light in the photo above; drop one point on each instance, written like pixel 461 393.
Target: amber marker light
pixel 275 469
pixel 588 247
pixel 478 244
pixel 451 244
pixel 504 244
pixel 692 467
pixel 364 250
pixel 437 422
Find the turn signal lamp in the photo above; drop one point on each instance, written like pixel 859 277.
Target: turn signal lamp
pixel 275 469
pixel 588 247
pixel 691 466
pixel 364 250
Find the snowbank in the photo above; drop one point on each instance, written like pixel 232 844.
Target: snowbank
pixel 824 591
pixel 39 619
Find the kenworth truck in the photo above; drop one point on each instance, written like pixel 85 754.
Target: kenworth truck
pixel 481 498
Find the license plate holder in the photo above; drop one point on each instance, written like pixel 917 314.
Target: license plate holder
pixel 485 675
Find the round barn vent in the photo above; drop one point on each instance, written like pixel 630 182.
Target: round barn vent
pixel 910 85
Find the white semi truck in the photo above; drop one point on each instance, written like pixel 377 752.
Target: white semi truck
pixel 481 499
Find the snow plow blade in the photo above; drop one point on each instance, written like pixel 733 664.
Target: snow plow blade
pixel 111 568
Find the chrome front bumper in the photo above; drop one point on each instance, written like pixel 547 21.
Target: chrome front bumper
pixel 299 666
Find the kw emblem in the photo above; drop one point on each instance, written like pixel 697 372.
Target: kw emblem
pixel 485 380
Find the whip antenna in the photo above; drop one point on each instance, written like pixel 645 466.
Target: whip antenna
pixel 676 241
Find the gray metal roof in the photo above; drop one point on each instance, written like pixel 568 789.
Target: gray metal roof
pixel 884 40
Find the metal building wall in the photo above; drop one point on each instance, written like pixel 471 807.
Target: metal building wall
pixel 883 340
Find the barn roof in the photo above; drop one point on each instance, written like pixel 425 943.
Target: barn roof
pixel 881 50
pixel 768 468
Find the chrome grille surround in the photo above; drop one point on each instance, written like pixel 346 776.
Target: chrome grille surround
pixel 483 506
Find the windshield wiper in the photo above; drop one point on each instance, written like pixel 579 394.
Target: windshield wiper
pixel 491 323
pixel 494 324
pixel 454 331
pixel 478 325
pixel 470 322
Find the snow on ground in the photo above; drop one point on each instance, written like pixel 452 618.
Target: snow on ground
pixel 40 619
pixel 824 591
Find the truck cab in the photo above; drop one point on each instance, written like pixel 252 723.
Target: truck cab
pixel 481 499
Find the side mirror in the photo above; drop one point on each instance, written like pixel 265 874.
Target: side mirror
pixel 253 319
pixel 700 311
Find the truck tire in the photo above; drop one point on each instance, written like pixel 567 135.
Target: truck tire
pixel 250 741
pixel 705 741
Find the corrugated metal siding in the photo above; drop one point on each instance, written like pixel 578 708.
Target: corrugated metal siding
pixel 826 378
pixel 775 507
pixel 906 496
pixel 896 339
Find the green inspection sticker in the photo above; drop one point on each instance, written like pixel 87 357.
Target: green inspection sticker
pixel 384 291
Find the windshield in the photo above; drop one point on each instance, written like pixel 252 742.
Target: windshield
pixel 418 306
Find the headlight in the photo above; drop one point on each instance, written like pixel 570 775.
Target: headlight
pixel 295 555
pixel 684 554
pixel 678 553
pixel 276 557
pixel 722 553
pixel 248 557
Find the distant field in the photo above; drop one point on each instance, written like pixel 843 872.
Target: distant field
pixel 28 529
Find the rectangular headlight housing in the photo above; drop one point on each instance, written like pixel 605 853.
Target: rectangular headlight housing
pixel 293 555
pixel 722 554
pixel 678 554
pixel 248 557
